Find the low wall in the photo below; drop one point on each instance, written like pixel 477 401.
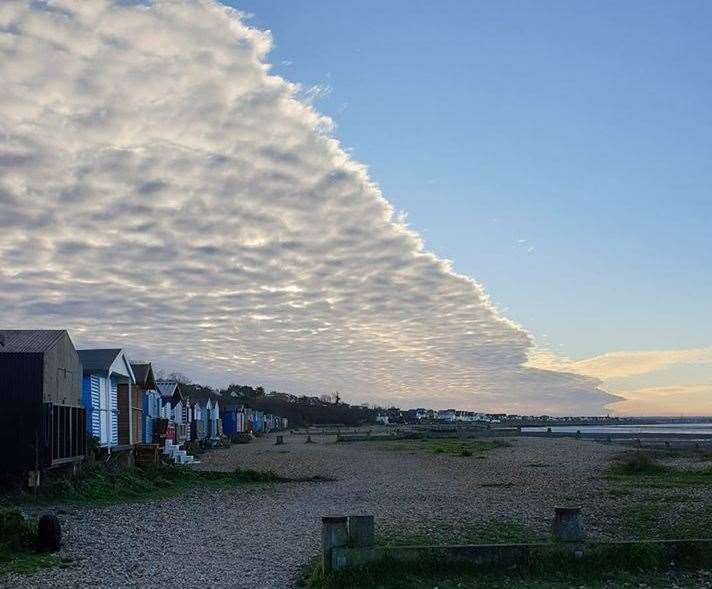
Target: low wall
pixel 508 555
pixel 348 542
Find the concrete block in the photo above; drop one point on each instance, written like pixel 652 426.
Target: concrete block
pixel 361 532
pixel 568 526
pixel 334 534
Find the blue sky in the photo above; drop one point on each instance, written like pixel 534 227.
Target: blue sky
pixel 558 152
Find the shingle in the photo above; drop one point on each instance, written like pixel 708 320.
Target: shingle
pixel 28 340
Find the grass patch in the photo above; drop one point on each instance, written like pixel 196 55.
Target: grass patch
pixel 638 464
pixel 102 484
pixel 642 469
pixel 18 538
pixel 647 521
pixel 464 448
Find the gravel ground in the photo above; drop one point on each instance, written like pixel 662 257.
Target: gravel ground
pixel 257 536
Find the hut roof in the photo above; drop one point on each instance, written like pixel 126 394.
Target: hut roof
pixel 170 390
pixel 29 340
pixel 203 395
pixel 99 359
pixel 144 374
pixel 106 360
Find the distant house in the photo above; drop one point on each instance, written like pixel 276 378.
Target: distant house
pixel 149 400
pixel 382 419
pixel 104 370
pixel 41 413
pixel 447 415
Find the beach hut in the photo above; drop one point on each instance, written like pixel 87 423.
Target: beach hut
pixel 215 424
pixel 104 370
pixel 175 407
pixel 258 421
pixel 200 420
pixel 233 418
pixel 150 402
pixel 41 412
pixel 131 403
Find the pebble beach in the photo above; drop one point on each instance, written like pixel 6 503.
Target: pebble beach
pixel 260 535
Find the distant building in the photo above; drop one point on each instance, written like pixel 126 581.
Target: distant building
pixel 447 415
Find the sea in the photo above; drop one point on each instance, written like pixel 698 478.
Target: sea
pixel 701 428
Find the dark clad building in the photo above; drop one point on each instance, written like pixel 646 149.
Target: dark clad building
pixel 41 413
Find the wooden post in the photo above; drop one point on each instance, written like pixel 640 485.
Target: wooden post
pixel 334 533
pixel 280 441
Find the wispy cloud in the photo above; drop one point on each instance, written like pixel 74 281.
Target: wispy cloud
pixel 615 365
pixel 161 190
pixel 621 374
pixel 671 400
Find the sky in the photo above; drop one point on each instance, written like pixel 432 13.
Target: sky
pixel 217 196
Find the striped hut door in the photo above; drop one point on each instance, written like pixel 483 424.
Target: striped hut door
pixel 95 408
pixel 114 413
pixel 104 405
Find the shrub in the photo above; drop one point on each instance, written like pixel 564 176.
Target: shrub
pixel 15 531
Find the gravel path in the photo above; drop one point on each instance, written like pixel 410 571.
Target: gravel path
pixel 257 536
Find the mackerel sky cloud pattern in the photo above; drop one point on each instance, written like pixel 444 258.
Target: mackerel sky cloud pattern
pixel 161 190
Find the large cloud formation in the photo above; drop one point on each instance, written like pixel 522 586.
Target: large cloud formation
pixel 162 191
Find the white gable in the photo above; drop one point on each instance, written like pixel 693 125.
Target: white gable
pixel 122 367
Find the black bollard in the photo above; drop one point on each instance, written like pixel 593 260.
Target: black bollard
pixel 49 533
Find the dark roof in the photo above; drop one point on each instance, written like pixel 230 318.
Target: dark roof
pixel 144 374
pixel 201 396
pixel 101 359
pixel 29 340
